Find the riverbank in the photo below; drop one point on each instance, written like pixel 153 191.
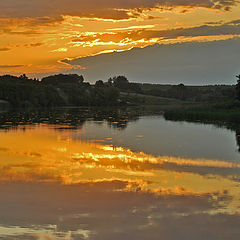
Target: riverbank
pixel 225 113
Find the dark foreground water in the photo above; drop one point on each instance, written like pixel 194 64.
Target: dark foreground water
pixel 113 174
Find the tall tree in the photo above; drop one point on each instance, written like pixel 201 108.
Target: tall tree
pixel 121 83
pixel 238 87
pixel 99 84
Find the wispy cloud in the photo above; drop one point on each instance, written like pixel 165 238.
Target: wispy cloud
pixel 11 66
pixel 132 27
pixel 4 49
pixel 60 50
pixel 227 29
pixel 107 9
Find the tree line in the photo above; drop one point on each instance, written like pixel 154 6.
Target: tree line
pixel 55 90
pixel 72 90
pixel 208 93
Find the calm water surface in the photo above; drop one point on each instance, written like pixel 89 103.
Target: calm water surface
pixel 116 174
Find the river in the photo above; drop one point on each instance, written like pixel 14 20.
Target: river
pixel 104 174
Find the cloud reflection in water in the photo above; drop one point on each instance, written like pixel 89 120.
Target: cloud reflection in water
pixel 55 187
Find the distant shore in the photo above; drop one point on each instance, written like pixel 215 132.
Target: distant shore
pixel 70 90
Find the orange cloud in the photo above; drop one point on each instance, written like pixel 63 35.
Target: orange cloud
pixel 146 35
pixel 108 9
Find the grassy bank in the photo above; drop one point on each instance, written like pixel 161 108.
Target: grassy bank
pixel 136 99
pixel 221 113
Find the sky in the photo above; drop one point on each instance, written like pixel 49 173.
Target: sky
pixel 40 38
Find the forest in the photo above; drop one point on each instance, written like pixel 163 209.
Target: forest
pixel 53 91
pixel 72 90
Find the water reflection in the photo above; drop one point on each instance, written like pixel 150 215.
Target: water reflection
pixel 56 186
pixel 74 117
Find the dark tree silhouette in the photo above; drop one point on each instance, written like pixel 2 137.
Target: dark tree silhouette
pixel 23 77
pixel 63 79
pixel 99 84
pixel 110 82
pixel 238 87
pixel 121 83
pixel 57 90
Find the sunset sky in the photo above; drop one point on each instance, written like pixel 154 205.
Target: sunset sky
pixel 45 37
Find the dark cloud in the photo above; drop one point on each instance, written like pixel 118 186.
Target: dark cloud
pixel 27 32
pixel 214 23
pixel 107 9
pixel 29 22
pixel 204 30
pixel 27 25
pixel 11 66
pixel 190 63
pixel 235 22
pixel 4 49
pixel 35 44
